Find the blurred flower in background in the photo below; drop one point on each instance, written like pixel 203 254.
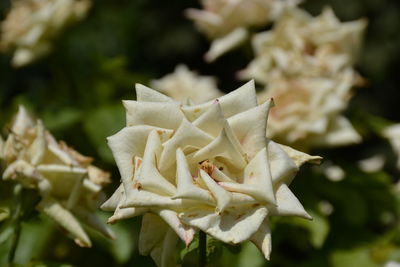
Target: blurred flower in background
pixel 70 188
pixel 305 64
pixel 184 85
pixel 225 21
pixel 31 25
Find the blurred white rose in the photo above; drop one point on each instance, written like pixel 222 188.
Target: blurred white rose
pixel 305 64
pixel 31 25
pixel 206 166
pixel 221 20
pixel 301 45
pixel 69 186
pixel 309 111
pixel 184 85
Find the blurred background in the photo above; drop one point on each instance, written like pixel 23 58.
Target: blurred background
pixel 77 91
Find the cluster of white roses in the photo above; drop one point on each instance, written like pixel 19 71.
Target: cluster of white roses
pixel 226 21
pixel 306 65
pixel 70 188
pixel 203 167
pixel 31 25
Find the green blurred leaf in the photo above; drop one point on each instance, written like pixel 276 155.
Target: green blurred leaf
pixel 193 246
pixel 250 256
pixel 4 213
pixel 61 119
pixel 34 239
pixel 353 257
pixel 318 228
pixel 101 123
pixel 214 249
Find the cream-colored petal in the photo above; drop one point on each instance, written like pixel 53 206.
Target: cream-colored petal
pixel 299 158
pixel 237 101
pixel 62 216
pixel 239 199
pixel 126 213
pixel 143 198
pixel 262 239
pixel 185 233
pixel 220 176
pixel 232 226
pixel 37 149
pixel 146 94
pixel 283 167
pixel 128 143
pixel 222 196
pixel 159 114
pixel 257 181
pixel 22 121
pixel 184 180
pixel 23 172
pixel 287 204
pixel 149 178
pixel 223 146
pixel 226 43
pixel 186 135
pixel 340 132
pixel 116 198
pixel 211 121
pixel 65 181
pixel 250 127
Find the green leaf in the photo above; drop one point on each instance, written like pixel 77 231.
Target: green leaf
pixel 101 123
pixel 4 213
pixel 250 256
pixel 194 245
pixel 353 257
pixel 318 228
pixel 214 249
pixel 61 119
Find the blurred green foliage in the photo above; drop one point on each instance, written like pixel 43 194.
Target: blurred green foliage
pixel 77 91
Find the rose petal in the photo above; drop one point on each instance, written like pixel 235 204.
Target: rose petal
pixel 222 196
pixel 57 212
pixel 146 94
pixel 257 181
pixel 128 143
pixel 262 239
pixel 186 135
pixel 160 114
pixel 149 178
pixel 250 127
pixel 232 226
pixel 287 204
pixel 186 187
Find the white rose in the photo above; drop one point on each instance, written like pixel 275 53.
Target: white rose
pixel 31 25
pixel 70 188
pixel 301 45
pixel 185 85
pixel 226 21
pixel 309 111
pixel 206 166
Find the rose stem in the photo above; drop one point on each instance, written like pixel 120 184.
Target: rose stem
pixel 202 249
pixel 16 217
